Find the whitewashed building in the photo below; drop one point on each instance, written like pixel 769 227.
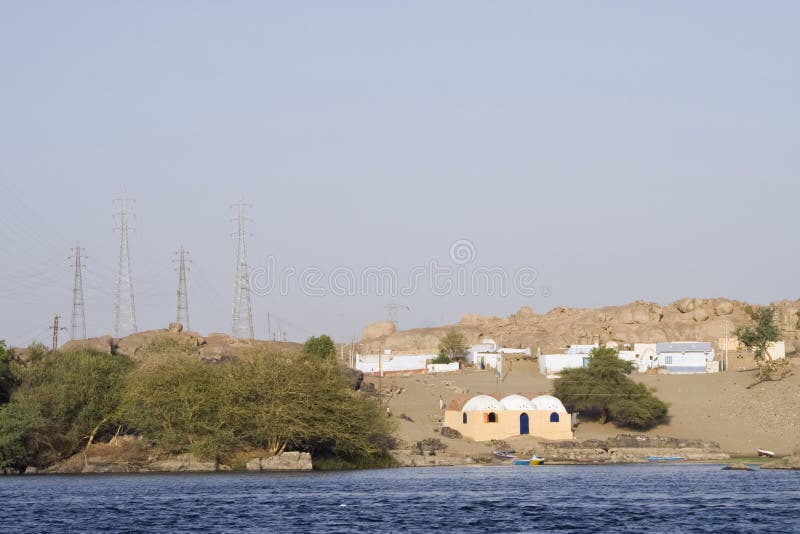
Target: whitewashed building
pixel 574 357
pixel 685 357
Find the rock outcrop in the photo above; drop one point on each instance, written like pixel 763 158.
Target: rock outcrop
pixel 688 319
pixel 286 461
pixel 630 448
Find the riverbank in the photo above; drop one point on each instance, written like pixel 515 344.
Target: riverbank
pixel 710 408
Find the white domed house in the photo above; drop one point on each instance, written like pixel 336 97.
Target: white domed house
pixel 484 417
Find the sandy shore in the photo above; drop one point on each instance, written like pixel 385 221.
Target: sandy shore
pixel 713 407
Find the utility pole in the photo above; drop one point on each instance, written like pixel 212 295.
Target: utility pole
pixel 78 326
pixel 726 344
pixel 55 328
pixel 392 312
pixel 123 296
pixel 269 327
pixel 182 314
pixel 242 316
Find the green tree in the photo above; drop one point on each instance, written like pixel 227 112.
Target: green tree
pixel 454 345
pixel 61 401
pixel 7 380
pixel 758 336
pixel 320 347
pixel 603 388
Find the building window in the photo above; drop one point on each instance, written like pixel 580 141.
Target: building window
pixel 492 418
pixel 668 360
pixel 554 417
pixel 464 418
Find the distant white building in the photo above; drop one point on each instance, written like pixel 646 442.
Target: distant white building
pixel 684 357
pixel 574 357
pixel 388 363
pixel 487 355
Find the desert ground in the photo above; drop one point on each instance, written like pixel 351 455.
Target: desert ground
pixel 712 407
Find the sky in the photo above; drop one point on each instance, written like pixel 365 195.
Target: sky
pixel 586 153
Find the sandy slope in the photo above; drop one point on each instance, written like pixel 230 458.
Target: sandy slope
pixel 714 407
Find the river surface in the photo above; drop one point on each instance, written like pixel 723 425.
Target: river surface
pixel 630 498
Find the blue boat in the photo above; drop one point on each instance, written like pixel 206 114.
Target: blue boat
pixel 665 458
pixel 534 460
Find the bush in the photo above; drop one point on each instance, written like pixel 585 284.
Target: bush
pixel 62 400
pixel 603 388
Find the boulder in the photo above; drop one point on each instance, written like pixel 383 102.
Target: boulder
pixel 738 466
pixel 30 470
pixel 182 462
pixel 685 305
pixel 724 307
pixel 451 433
pixel 254 465
pixel 700 315
pixel 175 327
pixel 288 461
pixel 380 329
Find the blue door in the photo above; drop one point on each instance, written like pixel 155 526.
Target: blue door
pixel 523 424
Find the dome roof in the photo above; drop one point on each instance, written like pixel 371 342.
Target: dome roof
pixel 481 402
pixel 548 403
pixel 516 402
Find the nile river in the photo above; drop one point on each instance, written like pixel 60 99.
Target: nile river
pixel 631 498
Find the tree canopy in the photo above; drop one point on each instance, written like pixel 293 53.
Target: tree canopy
pixel 320 347
pixel 603 388
pixel 453 345
pixel 6 374
pixel 758 336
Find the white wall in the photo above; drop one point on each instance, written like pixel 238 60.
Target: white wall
pixel 370 363
pixel 442 367
pixel 552 364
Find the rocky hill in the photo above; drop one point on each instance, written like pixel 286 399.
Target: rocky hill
pixel 688 319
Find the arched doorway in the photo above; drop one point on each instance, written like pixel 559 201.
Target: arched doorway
pixel 524 427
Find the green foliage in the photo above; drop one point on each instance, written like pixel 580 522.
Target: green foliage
pixel 7 379
pixel 36 351
pixel 320 347
pixel 453 344
pixel 758 336
pixel 604 388
pixel 269 400
pixel 169 344
pixel 441 358
pixel 62 398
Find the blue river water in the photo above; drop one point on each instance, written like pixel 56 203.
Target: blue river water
pixel 629 498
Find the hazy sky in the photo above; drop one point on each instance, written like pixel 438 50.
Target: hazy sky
pixel 623 150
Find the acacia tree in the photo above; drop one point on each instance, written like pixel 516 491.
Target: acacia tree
pixel 757 337
pixel 603 388
pixel 320 347
pixel 453 345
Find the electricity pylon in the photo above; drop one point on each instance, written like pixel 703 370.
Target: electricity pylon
pixel 78 326
pixel 182 315
pixel 242 316
pixel 123 297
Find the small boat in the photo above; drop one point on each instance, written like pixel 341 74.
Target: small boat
pixel 764 452
pixel 665 458
pixel 534 460
pixel 504 454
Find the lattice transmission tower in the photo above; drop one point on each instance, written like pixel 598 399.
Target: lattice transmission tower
pixel 124 307
pixel 182 315
pixel 242 317
pixel 78 326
